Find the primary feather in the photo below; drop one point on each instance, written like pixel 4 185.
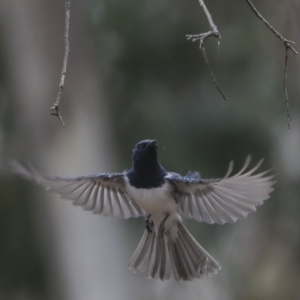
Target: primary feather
pixel 222 200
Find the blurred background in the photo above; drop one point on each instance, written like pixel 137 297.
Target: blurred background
pixel 132 75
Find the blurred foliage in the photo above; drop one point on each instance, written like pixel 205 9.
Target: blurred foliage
pixel 159 85
pixel 21 272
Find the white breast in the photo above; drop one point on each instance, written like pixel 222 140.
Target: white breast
pixel 155 201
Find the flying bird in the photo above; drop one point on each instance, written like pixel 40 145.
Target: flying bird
pixel 167 249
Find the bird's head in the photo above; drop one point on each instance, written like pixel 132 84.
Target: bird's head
pixel 145 151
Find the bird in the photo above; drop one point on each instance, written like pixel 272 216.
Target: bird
pixel 167 249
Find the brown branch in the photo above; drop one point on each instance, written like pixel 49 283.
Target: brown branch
pixel 55 111
pixel 288 46
pixel 201 37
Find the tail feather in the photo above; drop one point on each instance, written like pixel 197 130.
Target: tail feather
pixel 205 263
pixel 189 260
pixel 191 255
pixel 142 250
pixel 148 266
pixel 164 257
pixel 163 261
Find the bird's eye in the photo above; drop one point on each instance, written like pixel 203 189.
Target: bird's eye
pixel 139 147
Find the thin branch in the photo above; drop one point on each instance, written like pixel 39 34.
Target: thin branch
pixel 213 28
pixel 285 89
pixel 212 74
pixel 287 43
pixel 288 46
pixel 55 111
pixel 201 37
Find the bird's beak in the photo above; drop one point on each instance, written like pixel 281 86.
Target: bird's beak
pixel 152 144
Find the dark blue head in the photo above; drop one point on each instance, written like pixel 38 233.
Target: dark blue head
pixel 145 153
pixel 146 172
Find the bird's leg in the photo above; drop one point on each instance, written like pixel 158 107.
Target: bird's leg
pixel 149 224
pixel 161 228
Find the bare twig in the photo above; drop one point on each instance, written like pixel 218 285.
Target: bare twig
pixel 285 89
pixel 213 28
pixel 55 108
pixel 288 46
pixel 212 74
pixel 287 43
pixel 201 37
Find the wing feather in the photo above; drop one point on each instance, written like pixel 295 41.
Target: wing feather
pixel 223 200
pixel 205 213
pixel 107 207
pixel 103 193
pixel 91 202
pixel 213 213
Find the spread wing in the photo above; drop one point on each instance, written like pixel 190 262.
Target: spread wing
pixel 103 193
pixel 222 200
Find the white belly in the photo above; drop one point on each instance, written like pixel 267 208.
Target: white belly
pixel 154 200
pixel 158 202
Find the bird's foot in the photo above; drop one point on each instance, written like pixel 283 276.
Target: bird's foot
pixel 149 224
pixel 161 228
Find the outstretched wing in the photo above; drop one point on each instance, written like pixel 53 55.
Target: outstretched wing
pixel 103 193
pixel 222 200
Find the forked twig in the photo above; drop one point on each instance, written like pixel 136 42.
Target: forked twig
pixel 287 43
pixel 201 37
pixel 213 28
pixel 288 46
pixel 55 111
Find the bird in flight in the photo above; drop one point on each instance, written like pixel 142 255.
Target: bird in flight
pixel 167 249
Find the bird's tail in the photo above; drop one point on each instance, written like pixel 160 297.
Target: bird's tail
pixel 182 258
